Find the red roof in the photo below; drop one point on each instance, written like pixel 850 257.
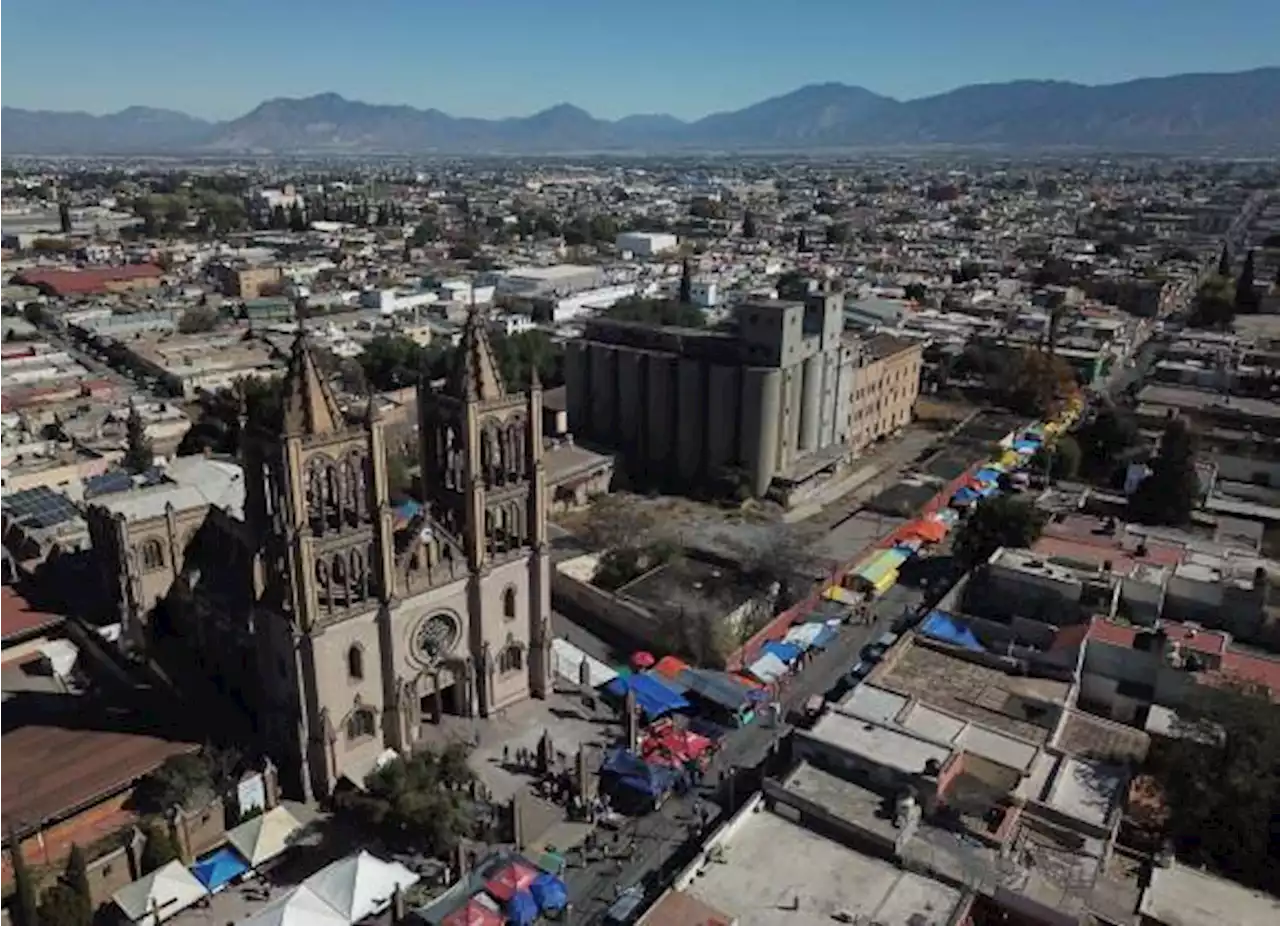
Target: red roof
pixel 473 913
pixel 18 618
pixel 511 880
pixel 86 282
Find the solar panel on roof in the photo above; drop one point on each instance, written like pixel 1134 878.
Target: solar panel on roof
pixel 41 507
pixel 117 480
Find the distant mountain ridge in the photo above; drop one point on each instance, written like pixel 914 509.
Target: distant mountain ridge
pixel 1187 112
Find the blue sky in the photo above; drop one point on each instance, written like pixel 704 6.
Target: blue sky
pixel 513 57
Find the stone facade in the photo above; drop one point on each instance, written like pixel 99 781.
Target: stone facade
pixel 339 630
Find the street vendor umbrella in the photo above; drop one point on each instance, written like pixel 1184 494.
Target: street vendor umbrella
pixel 642 660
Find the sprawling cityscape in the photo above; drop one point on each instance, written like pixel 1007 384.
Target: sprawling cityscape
pixel 726 522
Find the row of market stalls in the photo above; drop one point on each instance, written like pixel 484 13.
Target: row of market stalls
pixel 506 889
pixel 685 709
pixel 172 888
pixel 879 570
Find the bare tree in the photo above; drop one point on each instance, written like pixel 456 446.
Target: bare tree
pixel 618 521
pixel 782 558
pixel 694 625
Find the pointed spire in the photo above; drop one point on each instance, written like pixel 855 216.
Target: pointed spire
pixel 474 376
pixel 309 405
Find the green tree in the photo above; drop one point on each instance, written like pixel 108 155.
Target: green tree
pixel 1036 383
pixel 1220 778
pixel 297 220
pixel 686 283
pixel 1224 262
pixel 837 233
pixel 198 319
pixel 792 285
pixel 1170 493
pixel 749 225
pixel 176 214
pixel 1061 461
pixel 159 849
pixel 1003 521
pixel 77 879
pixel 418 802
pixel 426 231
pixel 24 889
pixel 60 906
pixel 1214 305
pixel 139 455
pixel 914 292
pixel 1246 301
pixel 1104 437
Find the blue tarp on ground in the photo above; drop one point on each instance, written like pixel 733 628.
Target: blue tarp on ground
pixel 787 652
pixel 219 868
pixel 522 909
pixel 653 696
pixel 636 774
pixel 942 626
pixel 549 891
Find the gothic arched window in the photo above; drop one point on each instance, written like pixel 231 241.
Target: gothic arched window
pixel 359 578
pixel 152 554
pixel 323 592
pixel 338 575
pixel 511 659
pixel 332 496
pixel 509 603
pixel 361 724
pixel 355 663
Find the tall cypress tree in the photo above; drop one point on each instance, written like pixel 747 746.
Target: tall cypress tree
pixel 748 225
pixel 1224 262
pixel 78 882
pixel 139 456
pixel 64 218
pixel 686 283
pixel 1246 298
pixel 24 889
pixel 802 241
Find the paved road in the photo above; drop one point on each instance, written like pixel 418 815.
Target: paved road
pixel 657 840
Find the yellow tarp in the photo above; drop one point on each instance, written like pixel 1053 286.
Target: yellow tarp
pixel 842 595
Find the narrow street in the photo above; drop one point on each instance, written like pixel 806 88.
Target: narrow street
pixel 658 838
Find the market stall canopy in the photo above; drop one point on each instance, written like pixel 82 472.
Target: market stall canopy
pixel 719 688
pixel 265 836
pixel 473 913
pixel 566 660
pixel 928 530
pixel 550 893
pixel 219 868
pixel 360 885
pixel 511 880
pixel 300 907
pixel 768 667
pixel 633 772
pixel 653 696
pixel 153 898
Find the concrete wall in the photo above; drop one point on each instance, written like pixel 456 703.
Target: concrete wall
pixel 587 601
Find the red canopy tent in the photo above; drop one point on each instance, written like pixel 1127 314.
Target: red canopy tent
pixel 666 744
pixel 473 913
pixel 511 880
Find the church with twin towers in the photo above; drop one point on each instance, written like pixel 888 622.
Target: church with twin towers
pixel 343 632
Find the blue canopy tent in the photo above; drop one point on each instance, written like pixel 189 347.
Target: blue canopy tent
pixel 522 908
pixel 944 627
pixel 964 496
pixel 635 774
pixel 825 637
pixel 787 652
pixel 988 475
pixel 550 893
pixel 719 688
pixel 653 696
pixel 1026 446
pixel 219 868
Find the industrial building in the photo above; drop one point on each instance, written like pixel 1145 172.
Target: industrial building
pixel 647 244
pixel 773 400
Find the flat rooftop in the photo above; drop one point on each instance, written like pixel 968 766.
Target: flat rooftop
pixel 778 873
pixel 1003 702
pixel 882 744
pixel 1183 896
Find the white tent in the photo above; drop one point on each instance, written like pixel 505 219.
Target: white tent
pixel 566 660
pixel 265 836
pixel 300 907
pixel 359 885
pixel 168 890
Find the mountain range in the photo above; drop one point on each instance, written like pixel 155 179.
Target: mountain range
pixel 1183 113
